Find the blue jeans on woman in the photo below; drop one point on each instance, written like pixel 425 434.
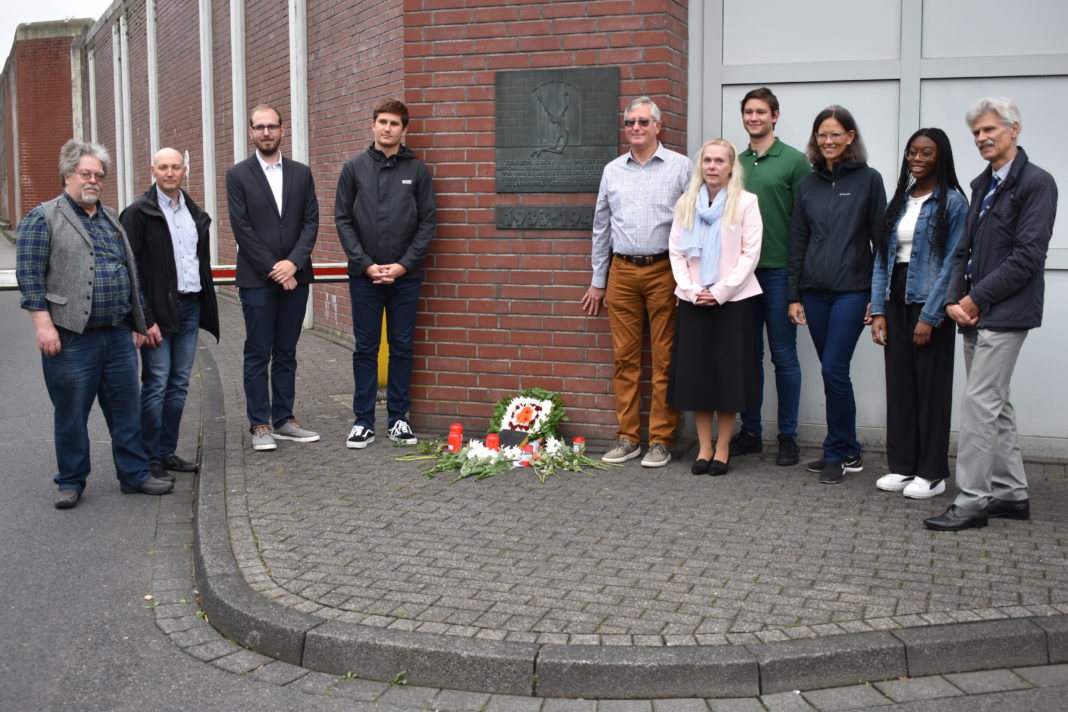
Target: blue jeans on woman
pixel 165 382
pixel 835 320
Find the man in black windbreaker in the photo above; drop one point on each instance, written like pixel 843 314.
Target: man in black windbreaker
pixel 169 236
pixel 384 211
pixel 995 295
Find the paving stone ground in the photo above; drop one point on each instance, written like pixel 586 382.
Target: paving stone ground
pixel 631 556
pixel 472 508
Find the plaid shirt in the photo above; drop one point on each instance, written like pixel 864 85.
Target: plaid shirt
pixel 635 207
pixel 111 282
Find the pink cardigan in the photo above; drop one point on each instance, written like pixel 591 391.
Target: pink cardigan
pixel 739 253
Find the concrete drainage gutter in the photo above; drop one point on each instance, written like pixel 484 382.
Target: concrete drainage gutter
pixel 591 672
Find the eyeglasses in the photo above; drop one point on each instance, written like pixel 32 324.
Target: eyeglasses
pixel 270 128
pixel 641 122
pixel 834 136
pixel 86 175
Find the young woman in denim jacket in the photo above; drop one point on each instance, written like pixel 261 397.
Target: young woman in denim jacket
pixel 913 261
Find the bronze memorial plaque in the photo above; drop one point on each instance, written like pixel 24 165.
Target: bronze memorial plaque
pixel 556 129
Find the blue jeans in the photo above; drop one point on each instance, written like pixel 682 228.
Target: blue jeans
pixel 100 364
pixel 835 320
pixel 400 301
pixel 274 318
pixel 165 381
pixel 771 309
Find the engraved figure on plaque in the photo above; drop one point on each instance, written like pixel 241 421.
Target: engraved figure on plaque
pixel 553 125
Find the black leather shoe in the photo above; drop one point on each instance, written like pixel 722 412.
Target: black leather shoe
pixel 1008 509
pixel 156 470
pixel 173 462
pixel 67 499
pixel 788 452
pixel 717 468
pixel 153 485
pixel 700 467
pixel 955 518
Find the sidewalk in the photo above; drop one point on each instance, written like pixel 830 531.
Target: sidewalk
pixel 632 583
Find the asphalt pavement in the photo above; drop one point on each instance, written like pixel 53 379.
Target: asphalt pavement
pixel 409 586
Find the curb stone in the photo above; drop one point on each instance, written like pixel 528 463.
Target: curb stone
pixel 312 642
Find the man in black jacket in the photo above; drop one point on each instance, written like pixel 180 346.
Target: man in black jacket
pixel 995 294
pixel 274 216
pixel 169 236
pixel 384 213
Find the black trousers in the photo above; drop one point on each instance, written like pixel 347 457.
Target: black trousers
pixel 919 389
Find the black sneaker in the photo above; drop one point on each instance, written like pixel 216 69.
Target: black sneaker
pixel 360 437
pixel 855 463
pixel 788 452
pixel 832 473
pixel 401 433
pixel 746 443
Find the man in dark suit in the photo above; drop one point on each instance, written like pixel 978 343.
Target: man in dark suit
pixel 274 215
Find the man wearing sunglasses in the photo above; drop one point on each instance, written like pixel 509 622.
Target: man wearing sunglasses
pixel 632 276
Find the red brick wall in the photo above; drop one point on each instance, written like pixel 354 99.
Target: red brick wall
pixel 355 59
pixel 500 307
pixel 44 116
pixel 105 105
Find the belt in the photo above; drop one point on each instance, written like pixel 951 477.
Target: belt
pixel 189 295
pixel 643 260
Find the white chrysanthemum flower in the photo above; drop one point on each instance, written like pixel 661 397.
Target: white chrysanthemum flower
pixel 554 446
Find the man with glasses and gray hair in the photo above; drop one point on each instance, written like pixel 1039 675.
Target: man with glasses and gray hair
pixel 78 279
pixel 995 295
pixel 632 276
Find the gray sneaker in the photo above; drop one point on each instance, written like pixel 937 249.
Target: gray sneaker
pixel 261 438
pixel 622 451
pixel 657 456
pixel 293 430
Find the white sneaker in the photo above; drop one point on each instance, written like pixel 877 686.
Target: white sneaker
pixel 920 488
pixel 893 483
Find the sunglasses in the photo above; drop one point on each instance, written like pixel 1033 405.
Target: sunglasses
pixel 641 122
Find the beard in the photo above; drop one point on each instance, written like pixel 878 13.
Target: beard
pixel 90 197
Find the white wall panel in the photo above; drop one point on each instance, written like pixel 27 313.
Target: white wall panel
pixel 979 28
pixel 810 31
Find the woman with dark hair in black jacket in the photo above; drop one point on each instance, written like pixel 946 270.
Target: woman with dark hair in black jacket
pixel 837 217
pixel 913 262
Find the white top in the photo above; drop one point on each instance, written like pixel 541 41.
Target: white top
pixel 273 171
pixel 906 227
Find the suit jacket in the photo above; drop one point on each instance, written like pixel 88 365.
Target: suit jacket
pixel 263 236
pixel 739 253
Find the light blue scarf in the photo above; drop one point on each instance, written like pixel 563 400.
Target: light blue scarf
pixel 702 240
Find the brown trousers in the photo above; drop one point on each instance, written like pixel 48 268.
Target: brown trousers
pixel 633 294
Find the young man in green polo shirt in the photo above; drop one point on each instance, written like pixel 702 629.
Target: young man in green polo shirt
pixel 773 172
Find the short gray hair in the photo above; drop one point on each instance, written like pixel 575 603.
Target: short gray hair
pixel 72 152
pixel 653 108
pixel 1004 107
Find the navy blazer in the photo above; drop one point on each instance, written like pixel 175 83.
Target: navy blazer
pixel 263 236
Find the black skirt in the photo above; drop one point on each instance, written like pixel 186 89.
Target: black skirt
pixel 713 359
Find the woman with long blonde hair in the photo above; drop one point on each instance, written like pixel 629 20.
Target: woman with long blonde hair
pixel 714 248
